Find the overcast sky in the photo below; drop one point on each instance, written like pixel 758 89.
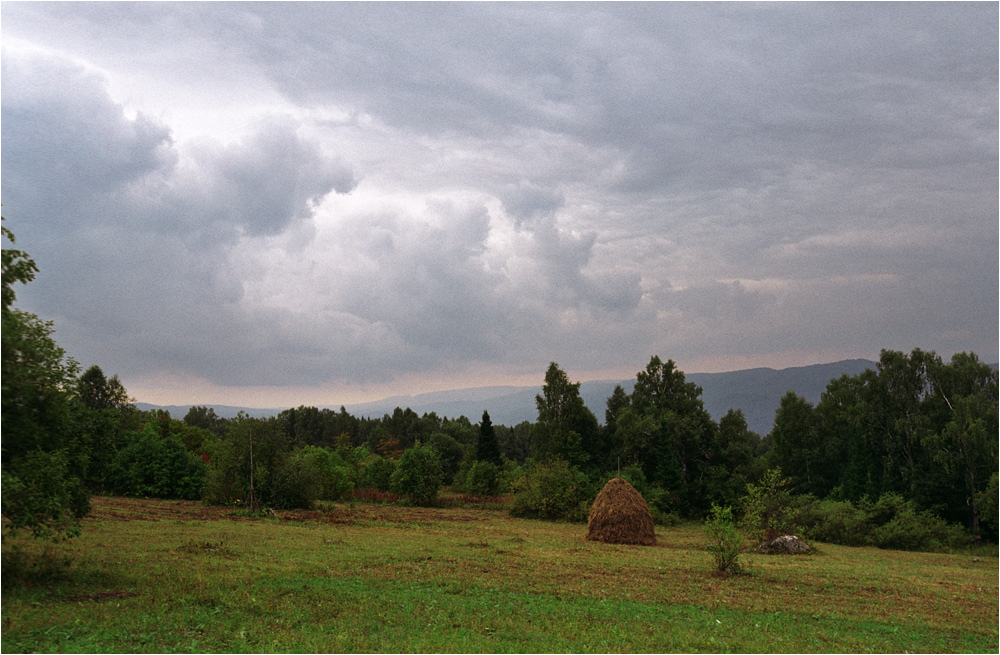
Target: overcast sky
pixel 281 204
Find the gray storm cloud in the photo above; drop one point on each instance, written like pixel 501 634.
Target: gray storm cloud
pixel 419 188
pixel 141 263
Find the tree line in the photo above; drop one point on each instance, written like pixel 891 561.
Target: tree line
pixel 916 434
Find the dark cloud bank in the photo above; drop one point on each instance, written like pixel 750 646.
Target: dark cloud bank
pixel 505 185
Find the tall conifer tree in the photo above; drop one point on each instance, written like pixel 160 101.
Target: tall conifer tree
pixel 488 449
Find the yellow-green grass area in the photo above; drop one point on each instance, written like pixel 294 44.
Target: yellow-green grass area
pixel 169 576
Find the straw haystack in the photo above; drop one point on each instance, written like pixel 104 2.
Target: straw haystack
pixel 620 515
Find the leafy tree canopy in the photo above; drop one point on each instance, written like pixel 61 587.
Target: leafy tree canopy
pixel 44 459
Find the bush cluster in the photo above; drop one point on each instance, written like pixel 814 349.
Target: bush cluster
pixel 419 474
pixel 376 473
pixel 891 522
pixel 331 475
pixel 551 490
pixel 483 479
pixel 156 465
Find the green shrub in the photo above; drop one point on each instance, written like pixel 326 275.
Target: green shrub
pixel 464 467
pixel 333 477
pixel 550 490
pixel 156 466
pixel 509 471
pixel 635 477
pixel 890 522
pixel 662 503
pixel 376 473
pixel 357 456
pixel 725 541
pixel 354 460
pixel 337 483
pixel 885 508
pixel 418 474
pixel 294 485
pixel 281 478
pixel 451 453
pixel 580 513
pixel 911 530
pixel 478 482
pixel 833 521
pixel 40 495
pixel 483 479
pixel 766 508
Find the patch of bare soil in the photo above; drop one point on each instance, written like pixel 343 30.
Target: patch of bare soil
pixel 99 596
pixel 398 514
pixel 106 508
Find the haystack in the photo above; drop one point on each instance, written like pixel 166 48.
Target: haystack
pixel 620 515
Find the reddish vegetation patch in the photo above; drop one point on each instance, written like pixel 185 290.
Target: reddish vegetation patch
pixel 465 499
pixel 374 495
pixel 136 509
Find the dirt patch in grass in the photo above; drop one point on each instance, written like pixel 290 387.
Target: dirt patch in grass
pixel 100 596
pixel 105 508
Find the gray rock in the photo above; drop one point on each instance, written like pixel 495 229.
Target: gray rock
pixel 786 544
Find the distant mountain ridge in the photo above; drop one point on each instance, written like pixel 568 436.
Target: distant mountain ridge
pixel 757 392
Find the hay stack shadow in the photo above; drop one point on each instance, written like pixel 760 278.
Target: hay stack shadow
pixel 620 515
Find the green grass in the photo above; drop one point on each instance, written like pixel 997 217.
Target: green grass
pixel 384 578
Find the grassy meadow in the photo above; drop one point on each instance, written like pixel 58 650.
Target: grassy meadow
pixel 175 576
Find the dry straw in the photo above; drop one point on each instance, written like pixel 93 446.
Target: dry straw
pixel 620 515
